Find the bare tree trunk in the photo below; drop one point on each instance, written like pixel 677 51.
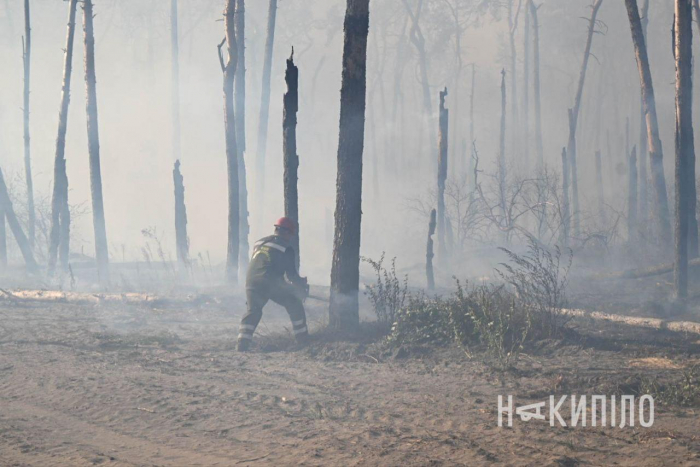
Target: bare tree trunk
pixel 502 148
pixel 683 51
pixel 60 217
pixel 229 69
pixel 265 105
pixel 181 241
pixel 239 96
pixel 632 226
pixel 512 27
pixel 429 255
pixel 22 242
pixel 662 214
pixel 643 138
pixel 175 80
pixel 291 159
pixel 599 185
pixel 538 104
pixel 27 49
pixel 345 272
pixel 98 211
pixel 526 94
pixel 571 147
pixel 566 211
pixel 442 177
pixel 470 164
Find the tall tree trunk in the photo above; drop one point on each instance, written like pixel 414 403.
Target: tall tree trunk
pixel 265 106
pixel 22 242
pixel 566 210
pixel 502 149
pixel 31 214
pixel 470 163
pixel 599 186
pixel 632 226
pixel 538 104
pixel 60 216
pixel 229 69
pixel 291 159
pixel 98 211
pixel 661 209
pixel 526 94
pixel 175 80
pixel 571 147
pixel 181 240
pixel 643 138
pixel 239 96
pixel 683 51
pixel 442 178
pixel 429 255
pixel 512 27
pixel 345 272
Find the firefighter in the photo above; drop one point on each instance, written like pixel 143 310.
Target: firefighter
pixel 273 259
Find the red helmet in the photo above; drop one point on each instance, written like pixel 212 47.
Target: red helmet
pixel 287 223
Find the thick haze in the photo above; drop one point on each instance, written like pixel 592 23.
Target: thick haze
pixel 133 72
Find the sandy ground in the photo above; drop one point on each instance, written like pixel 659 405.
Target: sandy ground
pixel 116 385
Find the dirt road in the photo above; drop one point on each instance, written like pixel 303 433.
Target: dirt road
pixel 108 385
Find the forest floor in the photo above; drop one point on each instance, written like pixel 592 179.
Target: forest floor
pixel 132 385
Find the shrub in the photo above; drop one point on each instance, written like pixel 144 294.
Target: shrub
pixel 388 294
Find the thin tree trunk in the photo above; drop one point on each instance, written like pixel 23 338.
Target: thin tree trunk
pixel 59 201
pixel 566 210
pixel 345 272
pixel 181 240
pixel 643 139
pixel 512 27
pixel 599 186
pixel 538 104
pixel 229 69
pixel 175 80
pixel 239 96
pixel 22 242
pixel 98 211
pixel 683 37
pixel 429 255
pixel 291 159
pixel 502 148
pixel 571 147
pixel 27 49
pixel 661 209
pixel 632 212
pixel 470 164
pixel 442 177
pixel 526 94
pixel 265 105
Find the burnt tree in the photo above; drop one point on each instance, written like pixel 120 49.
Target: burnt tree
pixel 26 58
pixel 643 139
pixel 20 237
pixel 345 271
pixel 98 211
pixel 632 212
pixel 291 159
pixel 574 115
pixel 512 27
pixel 502 148
pixel 265 105
pixel 229 68
pixel 536 78
pixel 181 241
pixel 566 209
pixel 683 42
pixel 429 254
pixel 661 209
pixel 442 177
pixel 175 81
pixel 240 112
pixel 60 216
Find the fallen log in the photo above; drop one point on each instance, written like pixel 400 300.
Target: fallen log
pixel 651 323
pixel 645 272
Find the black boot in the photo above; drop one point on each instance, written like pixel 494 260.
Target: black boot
pixel 243 345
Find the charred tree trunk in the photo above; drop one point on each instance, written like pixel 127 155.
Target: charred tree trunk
pixel 60 217
pixel 538 104
pixel 22 241
pixel 27 55
pixel 632 226
pixel 181 241
pixel 429 255
pixel 526 94
pixel 98 211
pixel 265 105
pixel 599 185
pixel 175 80
pixel 512 27
pixel 566 210
pixel 345 272
pixel 291 159
pixel 571 147
pixel 643 138
pixel 661 209
pixel 683 42
pixel 239 96
pixel 229 69
pixel 442 177
pixel 502 148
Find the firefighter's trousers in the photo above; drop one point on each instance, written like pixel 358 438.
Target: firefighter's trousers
pixel 283 293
